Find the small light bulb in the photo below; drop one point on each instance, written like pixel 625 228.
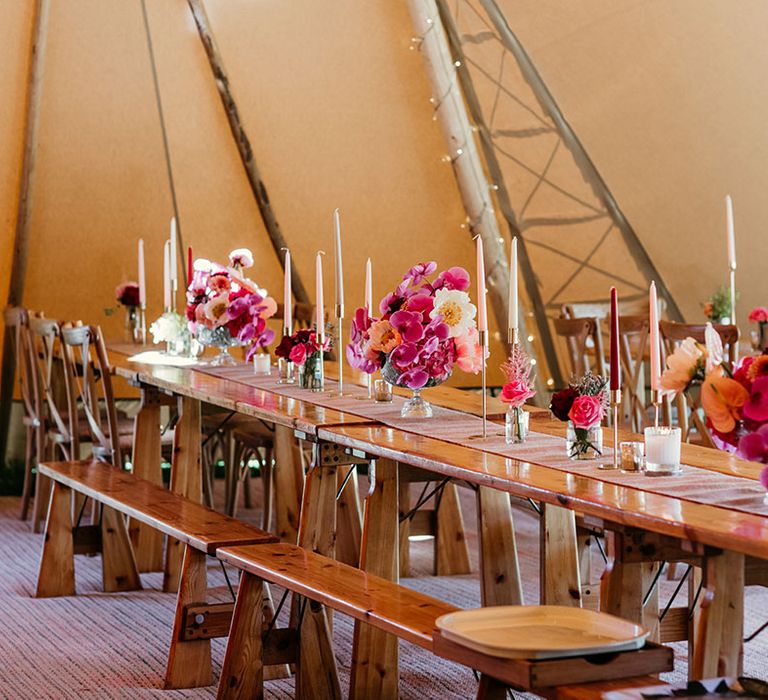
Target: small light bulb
pixel 446 159
pixel 459 151
pixel 533 361
pixel 530 338
pixel 457 64
pixel 550 382
pixel 429 20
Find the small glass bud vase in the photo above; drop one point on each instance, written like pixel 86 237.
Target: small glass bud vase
pixel 304 376
pixel 516 424
pixel 584 443
pixel 285 371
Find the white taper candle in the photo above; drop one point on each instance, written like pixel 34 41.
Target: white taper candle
pixel 142 277
pixel 369 287
pixel 482 316
pixel 337 260
pixel 655 347
pixel 513 303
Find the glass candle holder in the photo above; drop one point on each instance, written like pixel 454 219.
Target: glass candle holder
pixel 261 364
pixel 631 456
pixel 662 451
pixel 285 371
pixel 382 391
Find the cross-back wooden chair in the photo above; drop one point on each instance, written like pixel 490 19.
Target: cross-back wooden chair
pixel 579 334
pixel 633 344
pixel 689 416
pixel 17 321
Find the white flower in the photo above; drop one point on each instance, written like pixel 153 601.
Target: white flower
pixel 456 309
pixel 240 258
pixel 216 309
pixel 202 265
pixel 167 328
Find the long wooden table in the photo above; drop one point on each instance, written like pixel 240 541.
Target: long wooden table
pixel 644 527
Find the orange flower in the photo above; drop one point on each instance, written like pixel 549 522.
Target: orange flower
pixel 758 367
pixel 722 399
pixel 384 338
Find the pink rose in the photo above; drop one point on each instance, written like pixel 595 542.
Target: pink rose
pixel 298 354
pixel 586 411
pixel 516 393
pixel 469 353
pixel 759 314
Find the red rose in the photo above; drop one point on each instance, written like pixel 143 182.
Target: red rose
pixel 759 314
pixel 298 354
pixel 586 411
pixel 561 403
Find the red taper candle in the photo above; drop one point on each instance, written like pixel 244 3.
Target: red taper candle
pixel 190 266
pixel 615 361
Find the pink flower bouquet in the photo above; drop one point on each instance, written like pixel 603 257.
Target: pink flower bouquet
pixel 516 391
pixel 226 308
pixel 583 404
pixel 424 330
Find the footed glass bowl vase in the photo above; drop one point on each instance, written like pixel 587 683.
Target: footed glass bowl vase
pixel 416 406
pixel 219 338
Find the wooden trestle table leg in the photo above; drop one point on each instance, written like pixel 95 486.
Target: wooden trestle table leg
pixel 348 517
pixel 560 578
pixel 451 551
pixel 316 672
pixel 186 478
pixel 288 485
pixel 147 542
pixel 374 673
pixel 718 624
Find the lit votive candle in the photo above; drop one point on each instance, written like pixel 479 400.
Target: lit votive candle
pixel 662 451
pixel 261 364
pixel 382 391
pixel 631 456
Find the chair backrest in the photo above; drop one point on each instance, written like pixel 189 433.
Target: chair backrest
pixel 47 356
pixel 17 321
pixel 633 343
pixel 90 396
pixel 674 333
pixel 579 334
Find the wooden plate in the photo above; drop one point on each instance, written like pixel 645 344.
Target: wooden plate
pixel 540 631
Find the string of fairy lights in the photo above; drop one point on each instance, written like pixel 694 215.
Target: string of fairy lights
pixel 453 93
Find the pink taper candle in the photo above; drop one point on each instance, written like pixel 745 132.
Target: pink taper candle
pixel 368 287
pixel 319 310
pixel 287 295
pixel 142 277
pixel 482 315
pixel 655 347
pixel 615 361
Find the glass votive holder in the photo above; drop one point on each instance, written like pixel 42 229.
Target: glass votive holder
pixel 261 363
pixel 662 451
pixel 382 391
pixel 631 456
pixel 285 371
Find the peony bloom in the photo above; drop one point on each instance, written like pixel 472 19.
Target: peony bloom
pixel 682 366
pixel 202 265
pixel 240 258
pixel 516 393
pixel 754 447
pixel 756 406
pixel 586 411
pixel 469 353
pixel 759 315
pixel 219 282
pixel 457 312
pixel 383 337
pixel 453 278
pixel 215 310
pixel 722 399
pixel 167 328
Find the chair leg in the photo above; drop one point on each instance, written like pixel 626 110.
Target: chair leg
pixel 242 674
pixel 189 662
pixel 56 576
pixel 118 561
pixel 29 454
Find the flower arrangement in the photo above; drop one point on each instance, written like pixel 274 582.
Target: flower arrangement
pixel 516 391
pixel 718 306
pixel 127 294
pixel 301 346
pixel 425 328
pixel 224 307
pixel 582 404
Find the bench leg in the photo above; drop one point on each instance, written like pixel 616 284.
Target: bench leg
pixel 451 551
pixel 491 689
pixel 242 674
pixel 559 557
pixel 375 671
pixel 317 677
pixel 56 576
pixel 719 621
pixel 348 518
pixel 147 542
pixel 499 567
pixel 189 663
pixel 118 562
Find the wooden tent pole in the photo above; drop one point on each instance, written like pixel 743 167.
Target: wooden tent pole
pixel 24 208
pixel 451 111
pixel 243 143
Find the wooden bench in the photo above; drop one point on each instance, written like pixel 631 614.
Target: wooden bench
pixel 199 529
pixel 319 581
